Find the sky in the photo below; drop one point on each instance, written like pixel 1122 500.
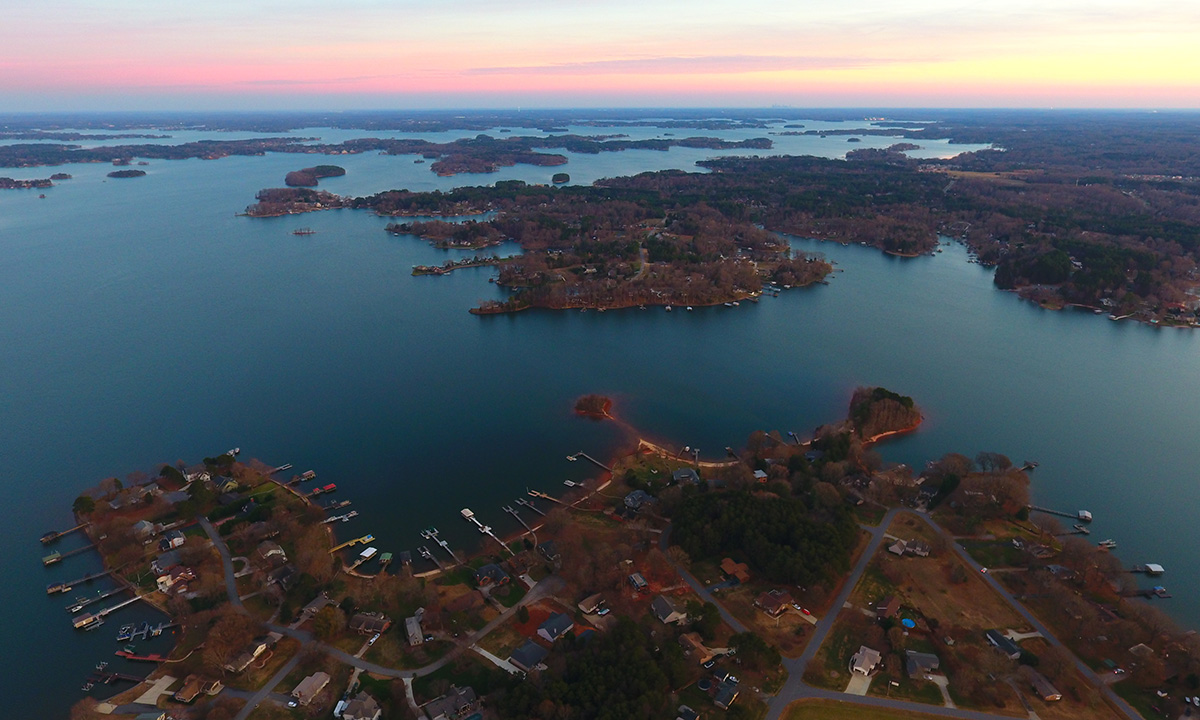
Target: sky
pixel 416 54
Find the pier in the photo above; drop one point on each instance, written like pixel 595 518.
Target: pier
pixel 341 518
pixel 424 552
pixel 281 468
pixel 525 503
pixel 485 529
pixel 1082 515
pixel 544 496
pixel 81 603
pixel 432 534
pixel 66 586
pixel 55 534
pixel 156 658
pixel 585 456
pixel 109 678
pixel 512 511
pixel 356 541
pixel 57 557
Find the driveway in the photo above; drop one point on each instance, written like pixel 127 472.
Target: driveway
pixel 859 684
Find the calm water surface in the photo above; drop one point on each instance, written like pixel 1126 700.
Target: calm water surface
pixel 142 322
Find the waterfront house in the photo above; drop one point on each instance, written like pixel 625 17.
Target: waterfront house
pixel 284 576
pixel 1007 647
pixel 556 626
pixel 735 571
pixel 528 656
pixel 774 602
pixel 549 551
pixel 454 704
pixel 666 612
pixel 143 529
pixel 489 575
pixel 685 476
pixel 270 552
pixel 310 687
pixel 864 661
pixel 412 629
pixel 175 497
pixel 362 707
pixel 175 580
pixel 199 472
pixel 920 665
pixel 225 484
pixel 164 562
pixel 370 623
pixel 638 499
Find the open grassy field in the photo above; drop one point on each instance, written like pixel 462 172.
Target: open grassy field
pixel 831 710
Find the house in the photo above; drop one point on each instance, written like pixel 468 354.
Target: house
pixel 694 647
pixel 919 548
pixel 685 476
pixel 283 576
pixel 225 484
pixel 549 550
pixel 760 476
pixel 412 628
pixel 686 713
pixel 491 574
pixel 199 472
pixel 362 707
pixel 638 499
pixel 997 640
pixel 239 663
pixel 666 612
pixel 1042 687
pixel 310 687
pixel 164 562
pixel 887 607
pixel 735 571
pixel 814 455
pixel 155 715
pixel 774 603
pixel 556 626
pixel 269 551
pixel 170 540
pixel 454 704
pixel 919 664
pixel 175 580
pixel 726 693
pixel 190 690
pixel 175 497
pixel 143 529
pixel 864 661
pixel 528 656
pixel 370 623
pixel 638 582
pixel 591 604
pixel 898 547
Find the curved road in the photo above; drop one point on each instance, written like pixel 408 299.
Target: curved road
pixel 796 689
pixel 547 586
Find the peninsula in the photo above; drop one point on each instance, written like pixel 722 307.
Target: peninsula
pixel 750 587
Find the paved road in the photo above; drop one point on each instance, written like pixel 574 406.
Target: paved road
pixel 796 689
pixel 266 689
pixel 663 542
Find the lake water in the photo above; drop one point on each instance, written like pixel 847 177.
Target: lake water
pixel 142 322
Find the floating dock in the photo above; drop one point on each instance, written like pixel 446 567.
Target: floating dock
pixel 432 534
pixel 81 603
pixel 281 468
pixel 1151 569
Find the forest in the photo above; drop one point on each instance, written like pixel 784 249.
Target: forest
pixel 784 539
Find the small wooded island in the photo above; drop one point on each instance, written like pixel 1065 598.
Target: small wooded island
pixel 126 173
pixel 658 581
pixel 309 177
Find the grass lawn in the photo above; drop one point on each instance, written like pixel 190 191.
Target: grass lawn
pixel 466 670
pixel 833 710
pixel 1141 700
pixel 994 553
pixel 834 655
pixel 511 593
pixel 922 691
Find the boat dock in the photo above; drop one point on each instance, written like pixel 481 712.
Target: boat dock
pixel 356 541
pixel 424 552
pixel 1148 569
pixel 1082 515
pixel 1079 530
pixel 281 468
pixel 109 678
pixel 525 503
pixel 432 534
pixel 81 603
pixel 341 518
pixel 585 456
pixel 512 511
pixel 57 557
pixel 155 657
pixel 56 534
pixel 544 496
pixel 485 529
pixel 66 586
